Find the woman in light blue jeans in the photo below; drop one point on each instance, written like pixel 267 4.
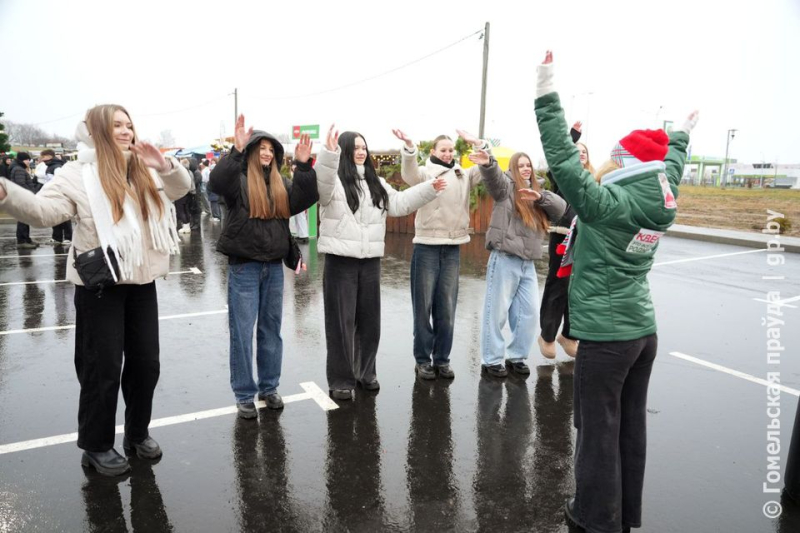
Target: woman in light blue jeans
pixel 521 215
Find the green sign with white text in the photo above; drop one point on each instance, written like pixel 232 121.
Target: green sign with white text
pixel 312 130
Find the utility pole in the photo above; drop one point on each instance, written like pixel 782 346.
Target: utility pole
pixel 730 135
pixel 483 84
pixel 235 107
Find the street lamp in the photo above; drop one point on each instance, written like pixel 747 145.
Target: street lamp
pixel 731 134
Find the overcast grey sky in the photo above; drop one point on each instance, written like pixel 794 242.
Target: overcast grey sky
pixel 174 63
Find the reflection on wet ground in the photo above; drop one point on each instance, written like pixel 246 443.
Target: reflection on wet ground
pixel 475 454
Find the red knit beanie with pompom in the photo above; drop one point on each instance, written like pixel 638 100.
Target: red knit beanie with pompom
pixel 641 146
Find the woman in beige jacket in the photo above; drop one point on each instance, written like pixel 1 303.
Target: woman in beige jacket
pixel 120 192
pixel 441 227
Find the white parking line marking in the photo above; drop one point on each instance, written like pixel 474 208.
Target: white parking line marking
pixel 778 303
pixel 31 256
pixel 708 257
pixel 72 326
pixel 189 315
pixel 735 373
pixel 319 396
pixel 42 282
pixel 312 389
pixel 193 270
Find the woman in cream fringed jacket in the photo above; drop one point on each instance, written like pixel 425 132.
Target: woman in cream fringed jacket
pixel 120 192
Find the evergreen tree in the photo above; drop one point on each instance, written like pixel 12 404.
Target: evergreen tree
pixel 4 146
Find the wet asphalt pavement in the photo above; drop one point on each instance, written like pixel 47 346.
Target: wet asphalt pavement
pixel 475 454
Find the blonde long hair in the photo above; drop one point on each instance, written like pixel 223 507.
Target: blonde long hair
pixel 532 215
pixel 117 176
pixel 605 168
pixel 588 166
pixel 265 204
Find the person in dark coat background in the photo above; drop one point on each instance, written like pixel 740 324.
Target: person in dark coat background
pixel 5 165
pixel 20 174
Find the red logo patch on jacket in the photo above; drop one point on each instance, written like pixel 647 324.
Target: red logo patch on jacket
pixel 644 241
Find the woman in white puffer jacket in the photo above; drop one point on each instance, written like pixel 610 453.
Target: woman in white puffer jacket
pixel 354 203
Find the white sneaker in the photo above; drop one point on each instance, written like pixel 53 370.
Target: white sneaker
pixel 66 241
pixel 185 229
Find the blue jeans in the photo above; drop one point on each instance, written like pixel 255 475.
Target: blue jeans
pixel 512 293
pixel 255 291
pixel 434 292
pixel 214 201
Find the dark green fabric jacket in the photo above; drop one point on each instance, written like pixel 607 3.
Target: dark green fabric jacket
pixel 619 225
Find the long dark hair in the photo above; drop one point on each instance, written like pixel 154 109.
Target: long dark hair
pixel 349 174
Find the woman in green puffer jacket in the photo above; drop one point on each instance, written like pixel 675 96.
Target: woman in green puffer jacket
pixel 620 222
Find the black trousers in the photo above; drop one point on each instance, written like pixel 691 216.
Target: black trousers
pixel 610 411
pixel 351 289
pixel 555 300
pixel 182 210
pixel 124 321
pixel 63 232
pixel 23 233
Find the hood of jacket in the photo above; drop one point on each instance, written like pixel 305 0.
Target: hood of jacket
pixel 256 138
pixel 53 165
pixel 652 200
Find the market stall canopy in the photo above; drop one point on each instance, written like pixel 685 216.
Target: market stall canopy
pixel 200 151
pixel 501 153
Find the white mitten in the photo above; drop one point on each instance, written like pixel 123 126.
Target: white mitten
pixel 544 80
pixel 691 122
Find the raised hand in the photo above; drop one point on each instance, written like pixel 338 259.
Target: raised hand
pixel 544 76
pixel 530 195
pixel 577 126
pixel 481 157
pixel 470 138
pixel 151 157
pixel 332 139
pixel 691 121
pixel 403 137
pixel 439 184
pixel 241 136
pixel 302 152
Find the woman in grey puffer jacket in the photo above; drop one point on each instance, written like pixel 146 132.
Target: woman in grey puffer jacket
pixel 521 215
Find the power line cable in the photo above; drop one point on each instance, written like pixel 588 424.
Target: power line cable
pixel 376 76
pixel 325 91
pixel 182 110
pixel 140 115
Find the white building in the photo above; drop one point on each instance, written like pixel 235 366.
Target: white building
pixel 765 175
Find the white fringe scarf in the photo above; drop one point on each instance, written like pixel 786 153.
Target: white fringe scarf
pixel 125 237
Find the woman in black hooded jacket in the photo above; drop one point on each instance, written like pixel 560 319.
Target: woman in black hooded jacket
pixel 256 240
